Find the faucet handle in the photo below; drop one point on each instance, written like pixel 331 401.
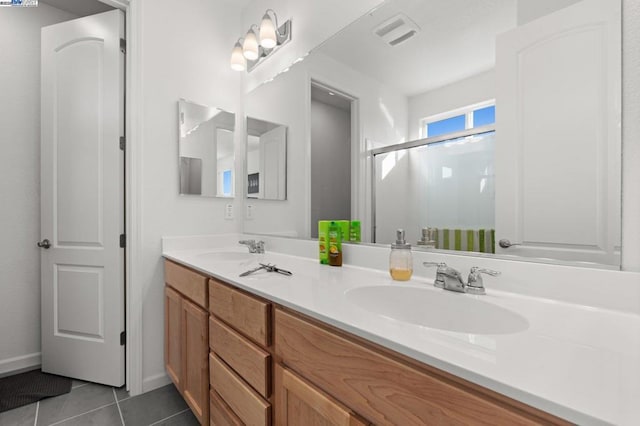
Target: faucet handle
pixel 439 281
pixel 438 264
pixel 475 285
pixel 478 270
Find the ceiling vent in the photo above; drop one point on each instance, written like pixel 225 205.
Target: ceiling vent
pixel 397 29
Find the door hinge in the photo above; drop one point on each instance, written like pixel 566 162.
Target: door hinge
pixel 123 338
pixel 123 240
pixel 123 143
pixel 123 45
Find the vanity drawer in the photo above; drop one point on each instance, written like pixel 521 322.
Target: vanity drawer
pixel 189 283
pixel 219 412
pixel 247 314
pixel 388 390
pixel 246 403
pixel 244 357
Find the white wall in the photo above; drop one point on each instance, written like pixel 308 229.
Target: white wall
pixel 313 22
pixel 185 52
pixel 20 183
pixel 472 90
pixel 630 135
pixel 286 100
pixel 528 10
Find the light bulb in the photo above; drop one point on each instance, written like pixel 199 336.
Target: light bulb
pixel 238 63
pixel 250 46
pixel 268 37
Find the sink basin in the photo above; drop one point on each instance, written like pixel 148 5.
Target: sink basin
pixel 440 309
pixel 228 256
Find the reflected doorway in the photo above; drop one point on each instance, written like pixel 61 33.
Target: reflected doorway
pixel 331 146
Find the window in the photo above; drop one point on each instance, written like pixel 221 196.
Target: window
pixel 227 183
pixel 471 117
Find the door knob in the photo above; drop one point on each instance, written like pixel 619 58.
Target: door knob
pixel 504 243
pixel 45 244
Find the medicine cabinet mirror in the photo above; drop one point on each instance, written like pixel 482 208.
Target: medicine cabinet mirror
pixel 206 150
pixel 266 160
pixel 482 120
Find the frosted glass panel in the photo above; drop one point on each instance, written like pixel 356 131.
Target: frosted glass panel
pixel 448 185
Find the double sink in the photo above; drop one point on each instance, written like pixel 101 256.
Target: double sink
pixel 412 304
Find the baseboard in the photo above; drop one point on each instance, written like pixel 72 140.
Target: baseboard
pixel 155 382
pixel 19 364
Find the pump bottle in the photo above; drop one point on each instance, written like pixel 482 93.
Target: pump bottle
pixel 400 259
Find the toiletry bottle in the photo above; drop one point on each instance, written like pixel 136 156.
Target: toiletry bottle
pixel 335 244
pixel 354 231
pixel 400 259
pixel 344 229
pixel 323 241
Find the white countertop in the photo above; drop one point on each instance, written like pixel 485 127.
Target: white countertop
pixel 577 362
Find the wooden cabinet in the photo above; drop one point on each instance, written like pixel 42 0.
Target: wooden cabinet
pixel 173 335
pixel 387 389
pixel 245 402
pixel 187 337
pixel 247 314
pixel 240 359
pixel 220 414
pixel 195 351
pixel 251 362
pixel 299 403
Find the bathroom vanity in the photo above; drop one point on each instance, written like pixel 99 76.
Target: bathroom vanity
pixel 272 349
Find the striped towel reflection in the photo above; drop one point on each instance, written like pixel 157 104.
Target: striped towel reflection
pixel 479 240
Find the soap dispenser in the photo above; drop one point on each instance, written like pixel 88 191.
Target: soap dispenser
pixel 400 259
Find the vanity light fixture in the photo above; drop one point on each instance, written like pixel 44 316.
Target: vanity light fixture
pixel 238 61
pixel 250 47
pixel 259 43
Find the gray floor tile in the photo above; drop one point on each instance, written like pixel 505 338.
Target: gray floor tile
pixel 107 416
pixel 78 401
pixel 21 416
pixel 75 383
pixel 186 418
pixel 121 393
pixel 150 407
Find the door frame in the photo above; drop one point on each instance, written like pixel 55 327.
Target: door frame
pixel 133 192
pixel 359 197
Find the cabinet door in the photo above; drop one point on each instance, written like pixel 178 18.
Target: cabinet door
pixel 173 336
pixel 195 351
pixel 299 403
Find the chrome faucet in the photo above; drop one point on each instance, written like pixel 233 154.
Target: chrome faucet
pixel 254 246
pixel 450 279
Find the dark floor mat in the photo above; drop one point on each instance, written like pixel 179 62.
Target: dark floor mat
pixel 25 388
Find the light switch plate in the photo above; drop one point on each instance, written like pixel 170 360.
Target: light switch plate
pixel 228 212
pixel 250 212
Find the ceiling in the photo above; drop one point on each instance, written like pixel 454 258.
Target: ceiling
pixel 330 97
pixel 79 7
pixel 257 127
pixel 455 40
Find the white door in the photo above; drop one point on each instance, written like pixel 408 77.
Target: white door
pixel 558 146
pixel 273 146
pixel 82 193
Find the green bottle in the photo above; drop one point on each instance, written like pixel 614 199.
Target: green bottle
pixel 354 231
pixel 323 241
pixel 335 244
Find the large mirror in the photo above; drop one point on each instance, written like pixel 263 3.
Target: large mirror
pixel 266 160
pixel 480 126
pixel 206 150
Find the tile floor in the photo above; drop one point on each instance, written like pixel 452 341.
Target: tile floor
pixel 97 405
